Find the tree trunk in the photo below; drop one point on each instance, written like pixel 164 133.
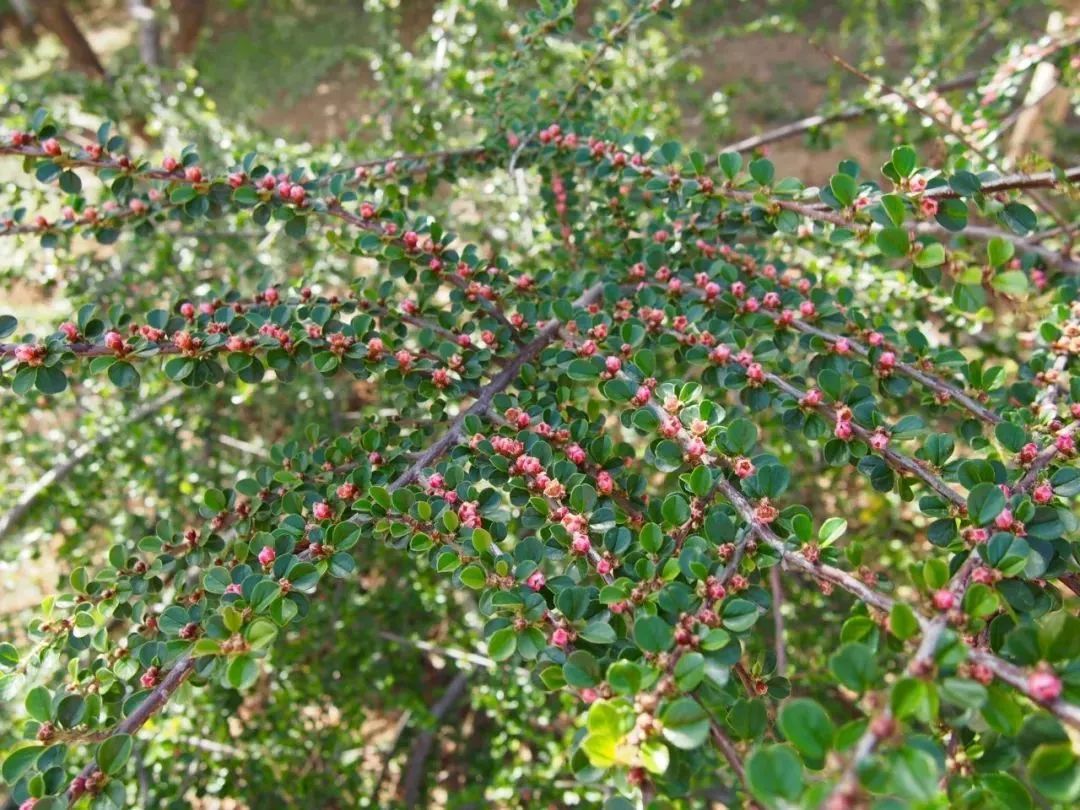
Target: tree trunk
pixel 54 15
pixel 190 15
pixel 142 11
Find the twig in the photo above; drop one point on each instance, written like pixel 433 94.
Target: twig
pixel 413 780
pixel 778 620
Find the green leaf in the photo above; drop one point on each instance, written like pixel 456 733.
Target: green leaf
pixel 774 772
pixel 985 502
pixel 762 171
pixel 502 644
pixel 832 530
pixel 807 726
pixel 902 621
pixel 930 255
pixel 893 242
pixel 1019 218
pixel 113 753
pixel 651 538
pixel 686 725
pixel 1055 772
pixel 242 672
pixel 854 666
pixel 999 251
pixel 19 761
pixel 730 163
pixel 8 324
pixel 903 160
pixel 912 697
pixel 701 481
pixel 124 375
pixel 739 615
pixel 39 704
pixel 965 184
pixel 1011 282
pixel 844 188
pixel 653 634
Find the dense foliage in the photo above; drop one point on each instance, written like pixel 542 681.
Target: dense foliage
pixel 754 491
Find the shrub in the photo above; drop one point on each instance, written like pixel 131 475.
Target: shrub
pixel 641 440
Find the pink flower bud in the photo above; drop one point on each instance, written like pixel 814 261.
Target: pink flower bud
pixel 322 510
pixel 114 341
pixel 1004 520
pixel 807 309
pixel 743 467
pixel 944 599
pixel 605 483
pixel 844 431
pixel 187 309
pixel 267 555
pixel 1044 685
pixel 536 580
pixel 879 440
pixel 603 567
pixel 170 164
pixel 51 147
pixel 1065 444
pixel 1044 493
pixel 581 544
pixel 560 638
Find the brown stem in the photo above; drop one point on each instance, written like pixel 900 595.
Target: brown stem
pixel 189 18
pixel 55 16
pixel 778 620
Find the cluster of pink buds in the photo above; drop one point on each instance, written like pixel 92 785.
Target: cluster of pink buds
pixel 150 678
pixel 505 446
pixel 536 580
pixel 844 430
pixel 348 491
pixel 469 514
pixel 188 345
pixel 277 333
pixel 605 484
pixel 322 511
pixel 32 354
